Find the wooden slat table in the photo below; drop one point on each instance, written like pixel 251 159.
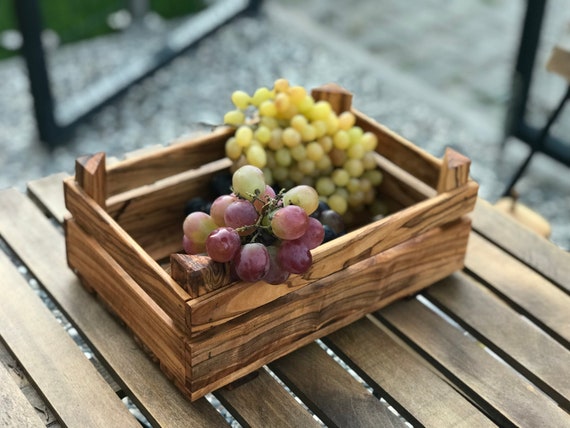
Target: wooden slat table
pixel 486 346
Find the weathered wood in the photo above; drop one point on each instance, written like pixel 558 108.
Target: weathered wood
pixel 90 173
pixel 131 257
pixel 332 393
pixel 338 97
pixel 229 351
pixel 149 168
pixel 261 402
pixel 472 369
pixel 477 310
pixel 227 303
pixel 31 394
pixel 454 171
pixel 530 248
pixel 16 410
pixel 41 247
pixel 52 359
pixel 197 274
pixel 396 373
pixel 535 296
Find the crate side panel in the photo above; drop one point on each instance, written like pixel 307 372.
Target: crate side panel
pixel 127 253
pixel 153 215
pixel 126 299
pixel 232 350
pixel 402 152
pixel 227 303
pixel 151 167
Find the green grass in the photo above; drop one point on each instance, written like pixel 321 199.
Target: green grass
pixel 76 20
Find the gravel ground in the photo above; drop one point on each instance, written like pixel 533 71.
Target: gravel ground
pixel 284 41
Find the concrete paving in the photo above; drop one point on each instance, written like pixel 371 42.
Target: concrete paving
pixel 437 72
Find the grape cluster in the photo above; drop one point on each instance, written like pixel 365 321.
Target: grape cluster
pixel 296 140
pixel 261 233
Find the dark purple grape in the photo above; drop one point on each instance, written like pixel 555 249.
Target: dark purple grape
pixel 294 257
pixel 252 262
pixel 333 220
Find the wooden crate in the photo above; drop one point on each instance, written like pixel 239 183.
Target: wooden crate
pixel 126 220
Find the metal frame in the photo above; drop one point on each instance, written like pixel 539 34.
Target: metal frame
pixel 538 139
pixel 54 130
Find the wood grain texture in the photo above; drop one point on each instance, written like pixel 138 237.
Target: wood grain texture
pixel 149 168
pixel 402 378
pixel 501 392
pixel 199 274
pixel 128 254
pixel 535 296
pixel 530 248
pixel 454 171
pixel 15 410
pixel 52 359
pixel 538 356
pixel 227 352
pixel 262 402
pixel 41 247
pixel 91 175
pixel 222 305
pixel 402 152
pixel 124 296
pixel 153 215
pixel 330 391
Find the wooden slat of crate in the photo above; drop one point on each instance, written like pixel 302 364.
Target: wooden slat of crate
pixel 116 288
pixel 330 391
pixel 524 244
pixel 261 402
pixel 138 264
pixel 402 378
pixel 478 310
pixel 227 303
pixel 70 384
pixel 153 166
pixel 15 409
pixel 540 300
pixel 41 247
pixel 153 215
pixel 497 388
pixel 226 352
pixel 402 152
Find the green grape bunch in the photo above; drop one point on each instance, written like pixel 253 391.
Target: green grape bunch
pixel 296 140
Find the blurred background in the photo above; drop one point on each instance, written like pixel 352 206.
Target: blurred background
pixel 118 75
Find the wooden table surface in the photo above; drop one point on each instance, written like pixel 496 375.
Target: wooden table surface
pixel 486 346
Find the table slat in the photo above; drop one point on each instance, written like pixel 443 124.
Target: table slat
pixel 531 351
pixel 330 391
pixel 70 384
pixel 262 402
pixel 42 248
pixel 523 243
pixel 537 297
pixel 15 410
pixel 409 385
pixel 508 398
pixel 47 192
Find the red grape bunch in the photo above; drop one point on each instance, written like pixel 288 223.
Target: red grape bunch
pixel 263 235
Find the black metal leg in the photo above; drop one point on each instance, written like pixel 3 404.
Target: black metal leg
pixel 29 20
pixel 53 132
pixel 539 143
